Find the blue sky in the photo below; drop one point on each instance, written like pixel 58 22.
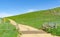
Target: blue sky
pixel 14 7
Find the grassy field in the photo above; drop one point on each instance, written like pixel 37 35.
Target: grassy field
pixel 7 30
pixel 38 18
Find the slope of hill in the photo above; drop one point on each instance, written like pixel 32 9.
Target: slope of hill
pixel 38 18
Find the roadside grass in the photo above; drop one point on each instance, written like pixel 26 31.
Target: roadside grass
pixel 7 30
pixel 54 31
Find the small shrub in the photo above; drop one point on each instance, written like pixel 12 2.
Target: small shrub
pixel 55 30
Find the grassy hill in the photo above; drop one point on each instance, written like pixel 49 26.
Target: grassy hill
pixel 38 18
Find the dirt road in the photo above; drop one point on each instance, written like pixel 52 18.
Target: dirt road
pixel 28 31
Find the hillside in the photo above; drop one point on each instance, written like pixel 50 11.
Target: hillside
pixel 37 18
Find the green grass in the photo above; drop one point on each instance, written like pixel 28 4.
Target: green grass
pixel 38 18
pixel 54 31
pixel 7 30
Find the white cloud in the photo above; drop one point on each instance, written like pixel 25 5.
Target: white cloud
pixel 31 10
pixel 5 14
